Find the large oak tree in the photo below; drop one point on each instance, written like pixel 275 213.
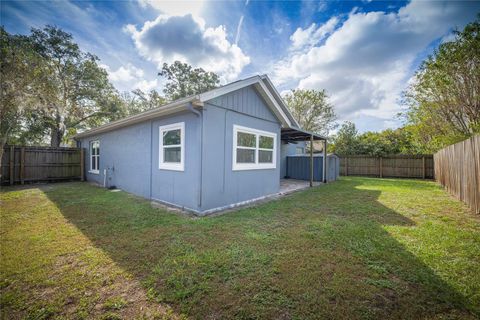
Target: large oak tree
pixel 76 92
pixel 183 80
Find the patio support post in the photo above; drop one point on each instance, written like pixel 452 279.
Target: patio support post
pixel 325 161
pixel 311 160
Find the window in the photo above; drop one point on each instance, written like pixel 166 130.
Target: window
pixel 253 149
pixel 172 147
pixel 299 150
pixel 95 157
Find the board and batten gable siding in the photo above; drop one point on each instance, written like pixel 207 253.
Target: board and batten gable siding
pixel 221 185
pixel 133 153
pixel 246 101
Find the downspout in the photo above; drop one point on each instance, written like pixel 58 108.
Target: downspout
pixel 311 160
pixel 325 156
pixel 190 107
pixel 151 156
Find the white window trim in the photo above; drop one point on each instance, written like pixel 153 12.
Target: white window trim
pixel 91 156
pixel 253 166
pixel 162 165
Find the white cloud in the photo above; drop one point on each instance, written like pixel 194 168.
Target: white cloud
pixel 129 77
pixel 313 34
pixel 125 73
pixel 186 38
pixel 366 62
pixel 146 85
pixel 176 8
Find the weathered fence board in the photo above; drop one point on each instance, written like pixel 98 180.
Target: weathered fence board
pixel 394 166
pixel 457 168
pixel 32 164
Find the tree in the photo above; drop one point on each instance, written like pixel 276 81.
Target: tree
pixel 443 101
pixel 20 74
pixel 76 91
pixel 345 142
pixel 312 110
pixel 138 101
pixel 183 80
pixel 386 142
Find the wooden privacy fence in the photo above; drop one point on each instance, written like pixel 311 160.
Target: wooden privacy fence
pixel 33 164
pixel 457 167
pixel 394 166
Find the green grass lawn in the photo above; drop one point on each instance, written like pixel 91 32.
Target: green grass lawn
pixel 358 248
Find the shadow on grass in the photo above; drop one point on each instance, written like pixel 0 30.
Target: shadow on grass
pixel 321 253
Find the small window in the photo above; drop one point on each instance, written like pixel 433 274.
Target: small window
pixel 299 150
pixel 171 147
pixel 95 156
pixel 253 149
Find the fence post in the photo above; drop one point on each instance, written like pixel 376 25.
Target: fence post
pixel 346 166
pixel 12 168
pixel 380 167
pixel 423 167
pixel 82 164
pixel 22 165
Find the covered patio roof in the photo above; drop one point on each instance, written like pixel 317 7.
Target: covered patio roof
pixel 297 134
pixel 293 134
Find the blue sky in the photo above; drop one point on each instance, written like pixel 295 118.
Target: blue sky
pixel 363 53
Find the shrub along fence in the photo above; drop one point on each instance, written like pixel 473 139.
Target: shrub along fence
pixel 33 164
pixel 457 167
pixel 394 166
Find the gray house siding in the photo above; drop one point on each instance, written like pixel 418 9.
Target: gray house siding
pixel 221 185
pixel 125 153
pixel 131 155
pixel 179 187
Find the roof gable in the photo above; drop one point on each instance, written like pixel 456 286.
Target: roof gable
pixel 247 101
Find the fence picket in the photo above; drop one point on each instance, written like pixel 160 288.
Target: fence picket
pixel 457 168
pixel 40 164
pixel 393 166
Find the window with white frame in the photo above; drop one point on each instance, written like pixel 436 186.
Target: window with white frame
pixel 253 149
pixel 95 156
pixel 172 147
pixel 299 150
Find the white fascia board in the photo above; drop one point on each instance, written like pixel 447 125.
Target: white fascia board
pixel 277 109
pixel 280 100
pixel 212 94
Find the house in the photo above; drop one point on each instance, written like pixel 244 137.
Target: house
pixel 202 153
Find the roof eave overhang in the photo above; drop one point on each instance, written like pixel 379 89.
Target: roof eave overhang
pixel 174 107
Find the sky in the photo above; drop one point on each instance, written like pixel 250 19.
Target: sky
pixel 363 53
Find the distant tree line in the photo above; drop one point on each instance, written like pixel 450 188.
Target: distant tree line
pixel 347 141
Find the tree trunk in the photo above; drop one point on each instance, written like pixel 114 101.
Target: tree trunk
pixel 56 136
